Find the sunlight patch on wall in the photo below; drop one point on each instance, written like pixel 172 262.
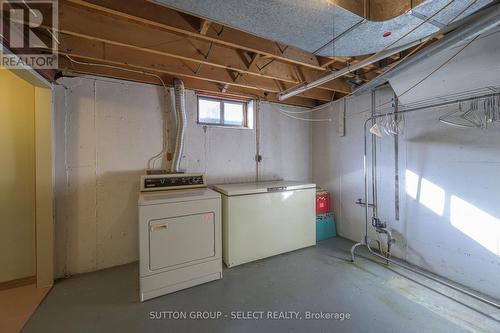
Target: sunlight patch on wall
pixel 411 184
pixel 475 223
pixel 432 196
pixel 427 193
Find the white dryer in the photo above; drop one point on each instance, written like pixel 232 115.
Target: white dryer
pixel 180 242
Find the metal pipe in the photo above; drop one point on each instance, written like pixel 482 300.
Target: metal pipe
pixel 365 241
pixel 374 160
pixel 344 33
pixel 482 299
pixel 390 239
pixel 366 182
pixel 472 26
pixel 332 75
pixel 365 176
pixel 180 111
pixel 396 161
pixel 418 108
pixel 258 158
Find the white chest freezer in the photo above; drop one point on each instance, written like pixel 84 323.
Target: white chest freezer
pixel 263 219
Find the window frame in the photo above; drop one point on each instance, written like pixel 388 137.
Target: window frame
pixel 222 101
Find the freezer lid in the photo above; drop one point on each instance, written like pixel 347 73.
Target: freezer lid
pixel 261 187
pixel 168 196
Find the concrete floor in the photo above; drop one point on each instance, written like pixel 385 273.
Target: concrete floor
pixel 316 279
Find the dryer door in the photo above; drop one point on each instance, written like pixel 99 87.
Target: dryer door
pixel 180 240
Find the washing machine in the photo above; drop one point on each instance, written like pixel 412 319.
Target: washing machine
pixel 180 237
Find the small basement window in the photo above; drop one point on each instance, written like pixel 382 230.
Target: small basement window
pixel 224 112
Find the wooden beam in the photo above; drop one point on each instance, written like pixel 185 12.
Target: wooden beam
pixel 122 56
pixel 89 25
pixel 250 59
pixel 225 88
pixel 198 85
pixel 325 62
pixel 233 74
pixel 300 75
pixel 204 25
pixel 152 15
pixel 279 85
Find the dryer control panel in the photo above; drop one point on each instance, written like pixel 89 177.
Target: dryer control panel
pixel 172 181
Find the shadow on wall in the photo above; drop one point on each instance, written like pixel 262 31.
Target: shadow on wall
pixel 106 235
pixel 465 137
pixel 117 214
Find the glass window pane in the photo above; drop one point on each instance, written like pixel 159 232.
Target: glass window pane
pixel 208 111
pixel 233 114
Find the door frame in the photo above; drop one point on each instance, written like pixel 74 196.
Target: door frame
pixel 44 175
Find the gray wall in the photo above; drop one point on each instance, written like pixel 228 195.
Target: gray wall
pixel 106 130
pixel 450 185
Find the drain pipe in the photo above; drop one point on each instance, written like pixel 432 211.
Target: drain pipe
pixel 180 115
pixel 417 271
pixel 366 240
pixel 474 25
pixel 374 160
pixel 380 227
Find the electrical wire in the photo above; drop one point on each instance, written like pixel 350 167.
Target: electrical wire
pixel 155 158
pixel 405 35
pixel 381 106
pixel 427 19
pixel 116 67
pixel 439 67
pixel 321 107
pixel 432 72
pixel 303 119
pixel 473 2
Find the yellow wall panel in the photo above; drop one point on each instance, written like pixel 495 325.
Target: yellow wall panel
pixel 44 191
pixel 17 177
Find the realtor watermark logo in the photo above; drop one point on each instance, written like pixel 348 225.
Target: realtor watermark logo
pixel 29 30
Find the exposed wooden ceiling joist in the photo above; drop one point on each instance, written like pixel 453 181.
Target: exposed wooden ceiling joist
pixel 123 56
pixel 144 36
pixel 204 26
pixel 153 15
pixel 199 85
pixel 81 23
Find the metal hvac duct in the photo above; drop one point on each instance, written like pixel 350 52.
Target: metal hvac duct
pixel 180 116
pixel 341 72
pixel 324 28
pixel 474 25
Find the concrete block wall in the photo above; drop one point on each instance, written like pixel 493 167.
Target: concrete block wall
pixel 449 177
pixel 449 184
pixel 106 130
